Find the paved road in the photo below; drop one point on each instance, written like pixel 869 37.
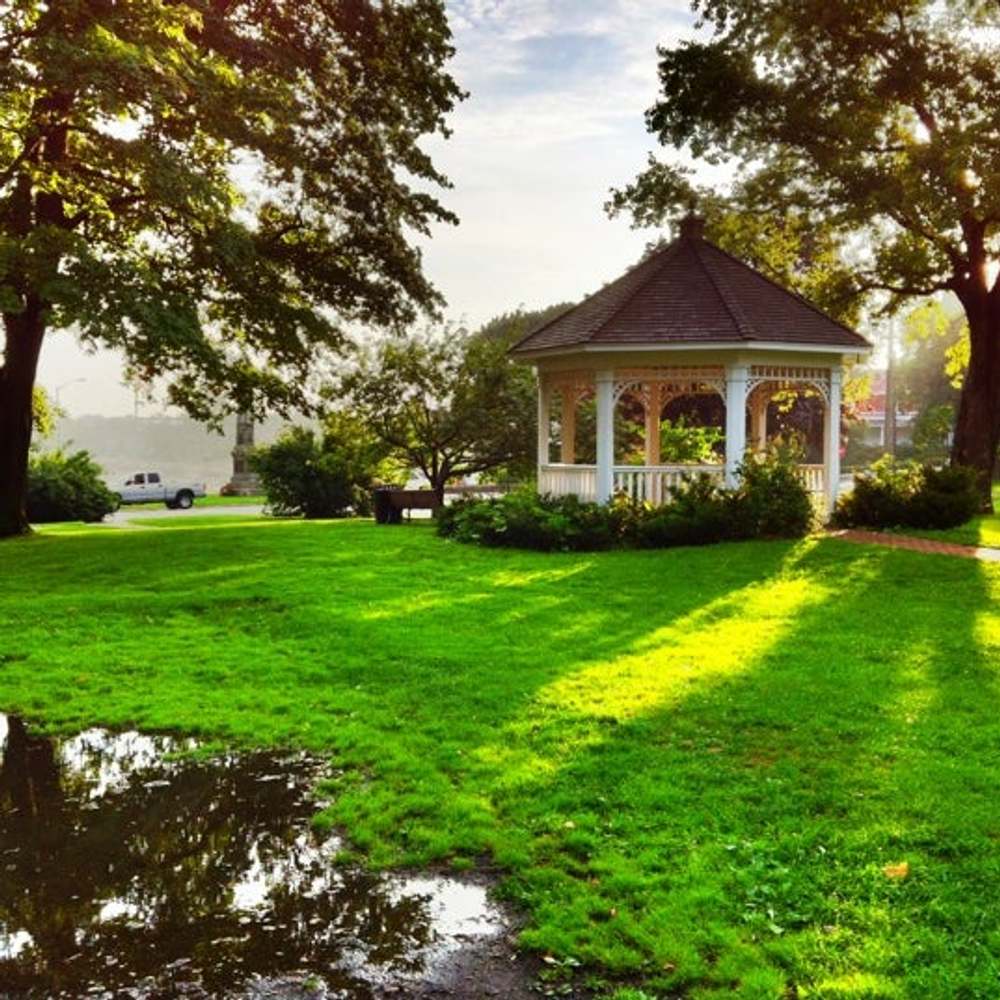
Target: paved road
pixel 128 515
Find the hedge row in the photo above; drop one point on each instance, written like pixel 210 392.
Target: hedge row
pixel 769 502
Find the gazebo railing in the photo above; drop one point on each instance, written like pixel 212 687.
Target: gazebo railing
pixel 814 477
pixel 653 483
pixel 563 480
pixel 644 483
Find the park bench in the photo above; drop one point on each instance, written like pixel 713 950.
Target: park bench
pixel 390 502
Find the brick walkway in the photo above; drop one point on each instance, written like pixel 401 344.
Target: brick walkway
pixel 925 545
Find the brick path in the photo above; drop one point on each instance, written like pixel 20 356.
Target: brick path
pixel 926 545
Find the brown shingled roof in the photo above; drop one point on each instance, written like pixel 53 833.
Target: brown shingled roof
pixel 691 292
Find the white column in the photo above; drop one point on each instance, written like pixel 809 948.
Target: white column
pixel 736 419
pixel 605 390
pixel 831 439
pixel 654 404
pixel 544 421
pixel 567 444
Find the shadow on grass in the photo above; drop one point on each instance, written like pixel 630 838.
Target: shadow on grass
pixel 731 835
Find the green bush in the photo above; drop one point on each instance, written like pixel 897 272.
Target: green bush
pixel 328 475
pixel 65 487
pixel 894 494
pixel 772 501
pixel 698 513
pixel 681 441
pixel 523 519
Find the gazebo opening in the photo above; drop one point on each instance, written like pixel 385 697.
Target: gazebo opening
pixel 690 331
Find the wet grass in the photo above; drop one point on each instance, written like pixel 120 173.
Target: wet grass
pixel 694 766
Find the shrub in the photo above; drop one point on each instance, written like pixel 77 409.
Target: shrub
pixel 65 487
pixel 523 519
pixel 698 513
pixel 772 501
pixel 681 441
pixel 330 475
pixel 894 494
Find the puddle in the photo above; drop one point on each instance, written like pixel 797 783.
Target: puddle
pixel 125 874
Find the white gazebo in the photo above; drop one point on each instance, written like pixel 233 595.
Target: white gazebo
pixel 689 320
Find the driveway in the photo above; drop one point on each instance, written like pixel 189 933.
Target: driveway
pixel 129 515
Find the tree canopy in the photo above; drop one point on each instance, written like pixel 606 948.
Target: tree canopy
pixel 212 187
pixel 876 123
pixel 448 404
pixel 451 403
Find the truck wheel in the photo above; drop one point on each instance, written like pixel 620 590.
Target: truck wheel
pixel 184 500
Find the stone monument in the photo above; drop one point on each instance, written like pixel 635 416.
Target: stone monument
pixel 245 481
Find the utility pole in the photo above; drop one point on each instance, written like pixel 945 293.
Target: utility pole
pixel 890 392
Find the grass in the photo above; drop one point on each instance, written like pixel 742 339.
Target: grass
pixel 692 766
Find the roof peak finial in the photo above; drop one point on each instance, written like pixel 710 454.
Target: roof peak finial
pixel 692 226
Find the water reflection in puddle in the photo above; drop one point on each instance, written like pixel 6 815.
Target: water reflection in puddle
pixel 127 874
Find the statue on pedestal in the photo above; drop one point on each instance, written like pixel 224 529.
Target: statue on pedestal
pixel 245 482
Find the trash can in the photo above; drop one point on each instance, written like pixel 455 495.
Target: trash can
pixel 385 512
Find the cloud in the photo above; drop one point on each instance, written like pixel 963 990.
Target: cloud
pixel 555 69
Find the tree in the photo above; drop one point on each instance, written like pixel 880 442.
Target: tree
pixel 44 413
pixel 450 404
pixel 877 122
pixel 932 368
pixel 130 134
pixel 326 474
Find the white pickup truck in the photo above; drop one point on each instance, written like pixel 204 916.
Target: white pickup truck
pixel 146 487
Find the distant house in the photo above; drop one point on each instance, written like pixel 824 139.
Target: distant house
pixel 872 413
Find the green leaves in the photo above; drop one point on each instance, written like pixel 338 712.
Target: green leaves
pixel 215 188
pixel 862 117
pixel 450 403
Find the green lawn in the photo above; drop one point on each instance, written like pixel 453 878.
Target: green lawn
pixel 984 531
pixel 691 765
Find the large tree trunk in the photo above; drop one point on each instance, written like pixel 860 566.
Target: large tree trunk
pixel 977 430
pixel 24 333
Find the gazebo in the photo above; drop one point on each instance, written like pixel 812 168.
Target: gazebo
pixel 688 320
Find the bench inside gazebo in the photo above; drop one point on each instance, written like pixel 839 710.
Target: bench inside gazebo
pixel 689 320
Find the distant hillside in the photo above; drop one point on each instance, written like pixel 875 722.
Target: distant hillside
pixel 179 447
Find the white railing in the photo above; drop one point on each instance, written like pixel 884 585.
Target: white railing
pixel 645 483
pixel 563 480
pixel 640 482
pixel 814 477
pixel 653 483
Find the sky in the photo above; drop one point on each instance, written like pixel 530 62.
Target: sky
pixel 558 91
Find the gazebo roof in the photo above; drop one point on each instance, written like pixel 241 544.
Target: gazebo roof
pixel 691 293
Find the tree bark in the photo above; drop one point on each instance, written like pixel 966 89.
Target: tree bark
pixel 977 429
pixel 24 334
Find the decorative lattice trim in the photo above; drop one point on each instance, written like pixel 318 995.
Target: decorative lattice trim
pixel 778 377
pixel 704 380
